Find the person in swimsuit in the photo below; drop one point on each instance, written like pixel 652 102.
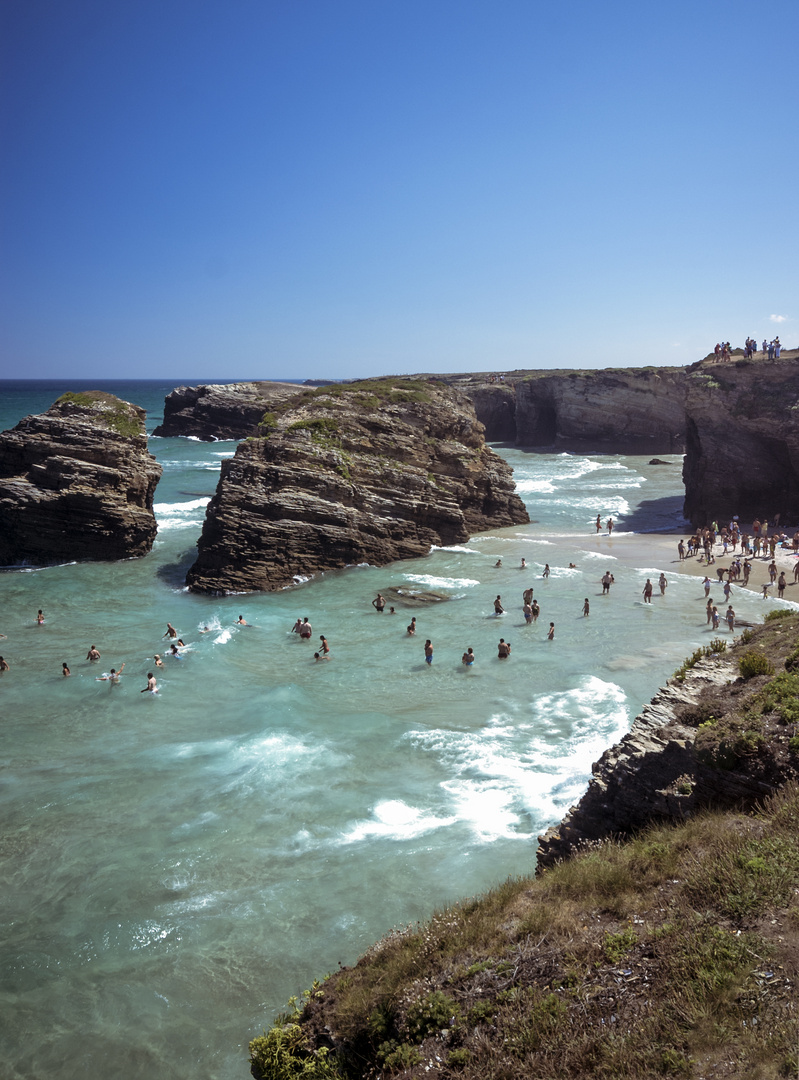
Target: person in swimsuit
pixel 4 665
pixel 536 610
pixel 93 654
pixel 468 658
pixel 158 661
pixel 305 630
pixel 546 570
pixel 241 621
pixel 498 608
pixel 527 611
pixel 586 607
pixel 40 617
pixel 428 652
pixel 325 646
pixel 412 627
pixel 379 603
pixel 64 669
pixel 648 592
pixel 171 632
pixel 551 632
pixel 112 676
pixel 151 684
pixel 503 649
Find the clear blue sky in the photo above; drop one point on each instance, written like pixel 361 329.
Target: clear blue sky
pixel 297 188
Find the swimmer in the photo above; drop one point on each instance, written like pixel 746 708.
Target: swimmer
pixel 158 661
pixel 503 649
pixel 93 654
pixel 379 603
pixel 40 617
pixel 317 657
pixel 241 621
pixel 173 651
pixel 498 563
pixel 64 669
pixel 112 676
pixel 551 632
pixel 171 632
pixel 468 658
pixel 181 643
pixel 205 630
pixel 586 607
pixel 428 652
pixel 325 646
pixel 151 684
pixel 391 611
pixel 498 608
pixel 524 564
pixel 4 665
pixel 572 565
pixel 412 627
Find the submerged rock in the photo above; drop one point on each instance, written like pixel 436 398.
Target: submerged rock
pixel 364 472
pixel 77 482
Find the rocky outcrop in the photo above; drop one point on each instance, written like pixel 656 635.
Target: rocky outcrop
pixel 710 737
pixel 742 440
pixel 221 411
pixel 363 472
pixel 77 482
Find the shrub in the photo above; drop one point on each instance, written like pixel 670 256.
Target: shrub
pixel 431 1014
pixel 615 946
pixel 283 1054
pixel 777 614
pixel 753 662
pixel 396 1057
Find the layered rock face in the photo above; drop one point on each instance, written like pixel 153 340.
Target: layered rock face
pixel 742 440
pixel 363 472
pixel 221 411
pixel 77 482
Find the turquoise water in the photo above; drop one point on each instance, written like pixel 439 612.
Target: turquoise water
pixel 176 866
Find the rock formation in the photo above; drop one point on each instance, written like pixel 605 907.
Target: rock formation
pixel 364 472
pixel 708 738
pixel 77 482
pixel 742 440
pixel 224 411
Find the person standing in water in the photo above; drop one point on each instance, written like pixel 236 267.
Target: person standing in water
pixel 93 654
pixel 412 627
pixel 586 607
pixel 498 608
pixel 503 649
pixel 151 684
pixel 662 582
pixel 551 632
pixel 379 603
pixel 40 617
pixel 546 570
pixel 64 669
pixel 468 658
pixel 4 665
pixel 428 651
pixel 648 592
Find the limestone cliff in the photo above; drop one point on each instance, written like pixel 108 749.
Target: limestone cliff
pixel 221 411
pixel 708 738
pixel 77 482
pixel 742 440
pixel 364 472
pixel 618 410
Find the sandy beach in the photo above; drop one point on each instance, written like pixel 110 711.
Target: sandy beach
pixel 660 549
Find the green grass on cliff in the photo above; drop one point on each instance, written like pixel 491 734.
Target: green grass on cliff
pixel 364 396
pixel 674 954
pixel 113 412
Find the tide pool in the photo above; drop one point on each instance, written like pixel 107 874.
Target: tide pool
pixel 177 865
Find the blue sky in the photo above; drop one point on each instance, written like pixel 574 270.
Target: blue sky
pixel 305 188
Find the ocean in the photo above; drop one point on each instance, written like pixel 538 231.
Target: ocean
pixel 175 866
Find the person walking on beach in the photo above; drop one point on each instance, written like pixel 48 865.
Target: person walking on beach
pixel 598 523
pixel 586 608
pixel 648 592
pixel 93 654
pixel 428 651
pixel 468 658
pixel 412 627
pixel 781 584
pixel 503 649
pixel 610 525
pixel 681 550
pixel 498 608
pixel 151 684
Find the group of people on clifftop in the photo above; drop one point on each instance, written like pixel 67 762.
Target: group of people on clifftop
pixel 770 349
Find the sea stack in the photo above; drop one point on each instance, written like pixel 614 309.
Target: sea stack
pixel 363 472
pixel 77 482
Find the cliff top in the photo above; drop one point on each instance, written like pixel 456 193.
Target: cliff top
pixel 97 406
